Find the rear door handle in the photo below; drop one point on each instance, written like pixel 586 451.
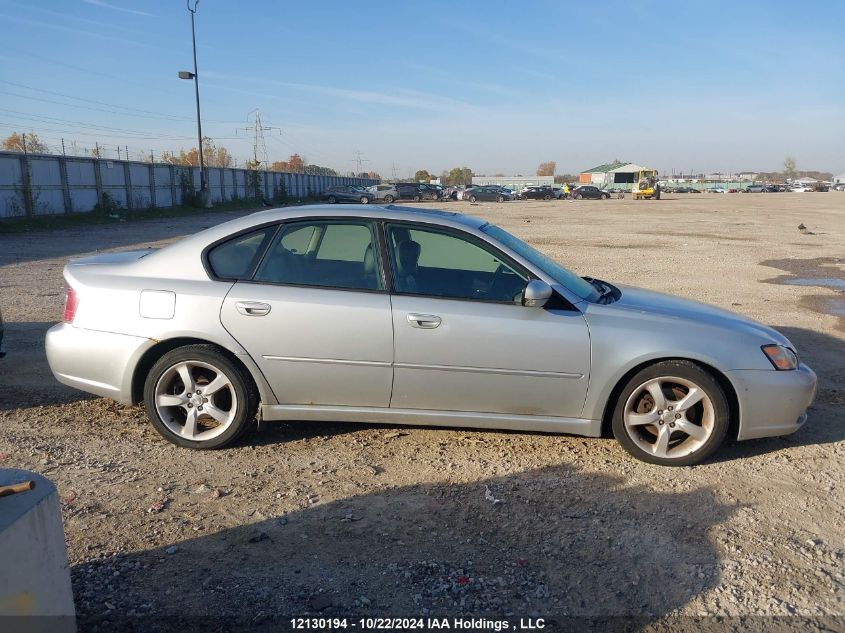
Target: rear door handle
pixel 424 321
pixel 252 308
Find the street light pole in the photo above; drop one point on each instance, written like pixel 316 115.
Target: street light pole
pixel 204 197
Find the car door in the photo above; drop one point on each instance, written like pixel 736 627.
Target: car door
pixel 315 315
pixel 462 339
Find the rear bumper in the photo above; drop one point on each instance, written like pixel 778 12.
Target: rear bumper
pixel 101 363
pixel 772 402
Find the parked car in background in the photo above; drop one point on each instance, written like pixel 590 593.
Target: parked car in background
pixel 539 192
pixel 800 189
pixel 384 192
pixel 757 189
pixel 415 191
pixel 717 190
pixel 407 316
pixel 347 193
pixel 487 194
pixel 840 186
pixel 589 192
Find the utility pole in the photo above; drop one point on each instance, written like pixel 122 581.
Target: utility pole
pixel 23 139
pixel 393 172
pixel 63 146
pixel 259 145
pixel 204 197
pixel 97 148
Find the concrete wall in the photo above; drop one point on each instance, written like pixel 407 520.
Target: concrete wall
pixel 59 185
pixel 34 572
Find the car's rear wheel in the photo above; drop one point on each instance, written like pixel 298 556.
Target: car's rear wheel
pixel 547 197
pixel 672 413
pixel 332 199
pixel 577 196
pixel 417 198
pixel 388 199
pixel 197 398
pixel 500 198
pixel 472 198
pixel 365 200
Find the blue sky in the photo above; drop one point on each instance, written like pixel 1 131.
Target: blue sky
pixel 497 86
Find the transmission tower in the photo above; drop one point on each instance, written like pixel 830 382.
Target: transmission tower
pixel 257 129
pixel 359 160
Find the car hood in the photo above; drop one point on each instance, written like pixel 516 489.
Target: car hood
pixel 672 308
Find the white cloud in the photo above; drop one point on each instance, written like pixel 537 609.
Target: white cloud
pixel 106 5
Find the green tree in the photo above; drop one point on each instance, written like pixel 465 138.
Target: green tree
pixel 460 176
pixel 29 143
pixel 422 176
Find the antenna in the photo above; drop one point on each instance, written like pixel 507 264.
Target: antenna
pixel 259 146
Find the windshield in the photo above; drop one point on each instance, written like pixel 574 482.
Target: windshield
pixel 567 278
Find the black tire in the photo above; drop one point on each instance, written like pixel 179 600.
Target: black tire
pixel 679 369
pixel 365 200
pixel 417 198
pixel 472 198
pixel 500 199
pixel 547 197
pixel 332 199
pixel 388 199
pixel 241 383
pixel 606 196
pixel 578 196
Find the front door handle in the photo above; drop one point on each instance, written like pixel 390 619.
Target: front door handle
pixel 252 308
pixel 424 321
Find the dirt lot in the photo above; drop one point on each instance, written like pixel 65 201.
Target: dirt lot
pixel 357 520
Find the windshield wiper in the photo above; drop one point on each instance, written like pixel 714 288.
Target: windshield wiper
pixel 604 288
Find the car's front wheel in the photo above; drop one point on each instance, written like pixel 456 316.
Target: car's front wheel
pixel 365 200
pixel 472 198
pixel 578 196
pixel 388 199
pixel 197 398
pixel 332 199
pixel 500 198
pixel 672 413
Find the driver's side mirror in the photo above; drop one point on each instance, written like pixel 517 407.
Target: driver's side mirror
pixel 536 294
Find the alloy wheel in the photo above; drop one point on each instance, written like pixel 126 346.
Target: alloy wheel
pixel 196 400
pixel 669 417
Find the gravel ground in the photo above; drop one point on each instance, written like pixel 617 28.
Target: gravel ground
pixel 357 520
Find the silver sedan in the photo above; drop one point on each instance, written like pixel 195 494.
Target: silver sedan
pixel 410 316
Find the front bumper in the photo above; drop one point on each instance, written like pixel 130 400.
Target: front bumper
pixel 97 362
pixel 772 402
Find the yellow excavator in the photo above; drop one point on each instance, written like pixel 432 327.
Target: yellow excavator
pixel 646 186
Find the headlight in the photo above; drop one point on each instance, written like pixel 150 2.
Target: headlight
pixel 781 357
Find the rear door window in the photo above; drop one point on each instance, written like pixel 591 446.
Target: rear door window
pixel 236 258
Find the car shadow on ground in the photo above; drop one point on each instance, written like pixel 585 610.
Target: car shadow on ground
pixel 825 424
pixel 555 542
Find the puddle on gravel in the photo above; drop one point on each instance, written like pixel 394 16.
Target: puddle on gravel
pixel 814 273
pixel 838 284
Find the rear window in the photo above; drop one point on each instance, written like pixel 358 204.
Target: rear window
pixel 237 258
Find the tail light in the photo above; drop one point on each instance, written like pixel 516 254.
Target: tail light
pixel 71 303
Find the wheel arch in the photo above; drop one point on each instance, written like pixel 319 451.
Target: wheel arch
pixel 719 376
pixel 151 356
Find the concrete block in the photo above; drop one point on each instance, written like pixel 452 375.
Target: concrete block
pixel 35 590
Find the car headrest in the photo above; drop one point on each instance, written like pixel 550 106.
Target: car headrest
pixel 408 254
